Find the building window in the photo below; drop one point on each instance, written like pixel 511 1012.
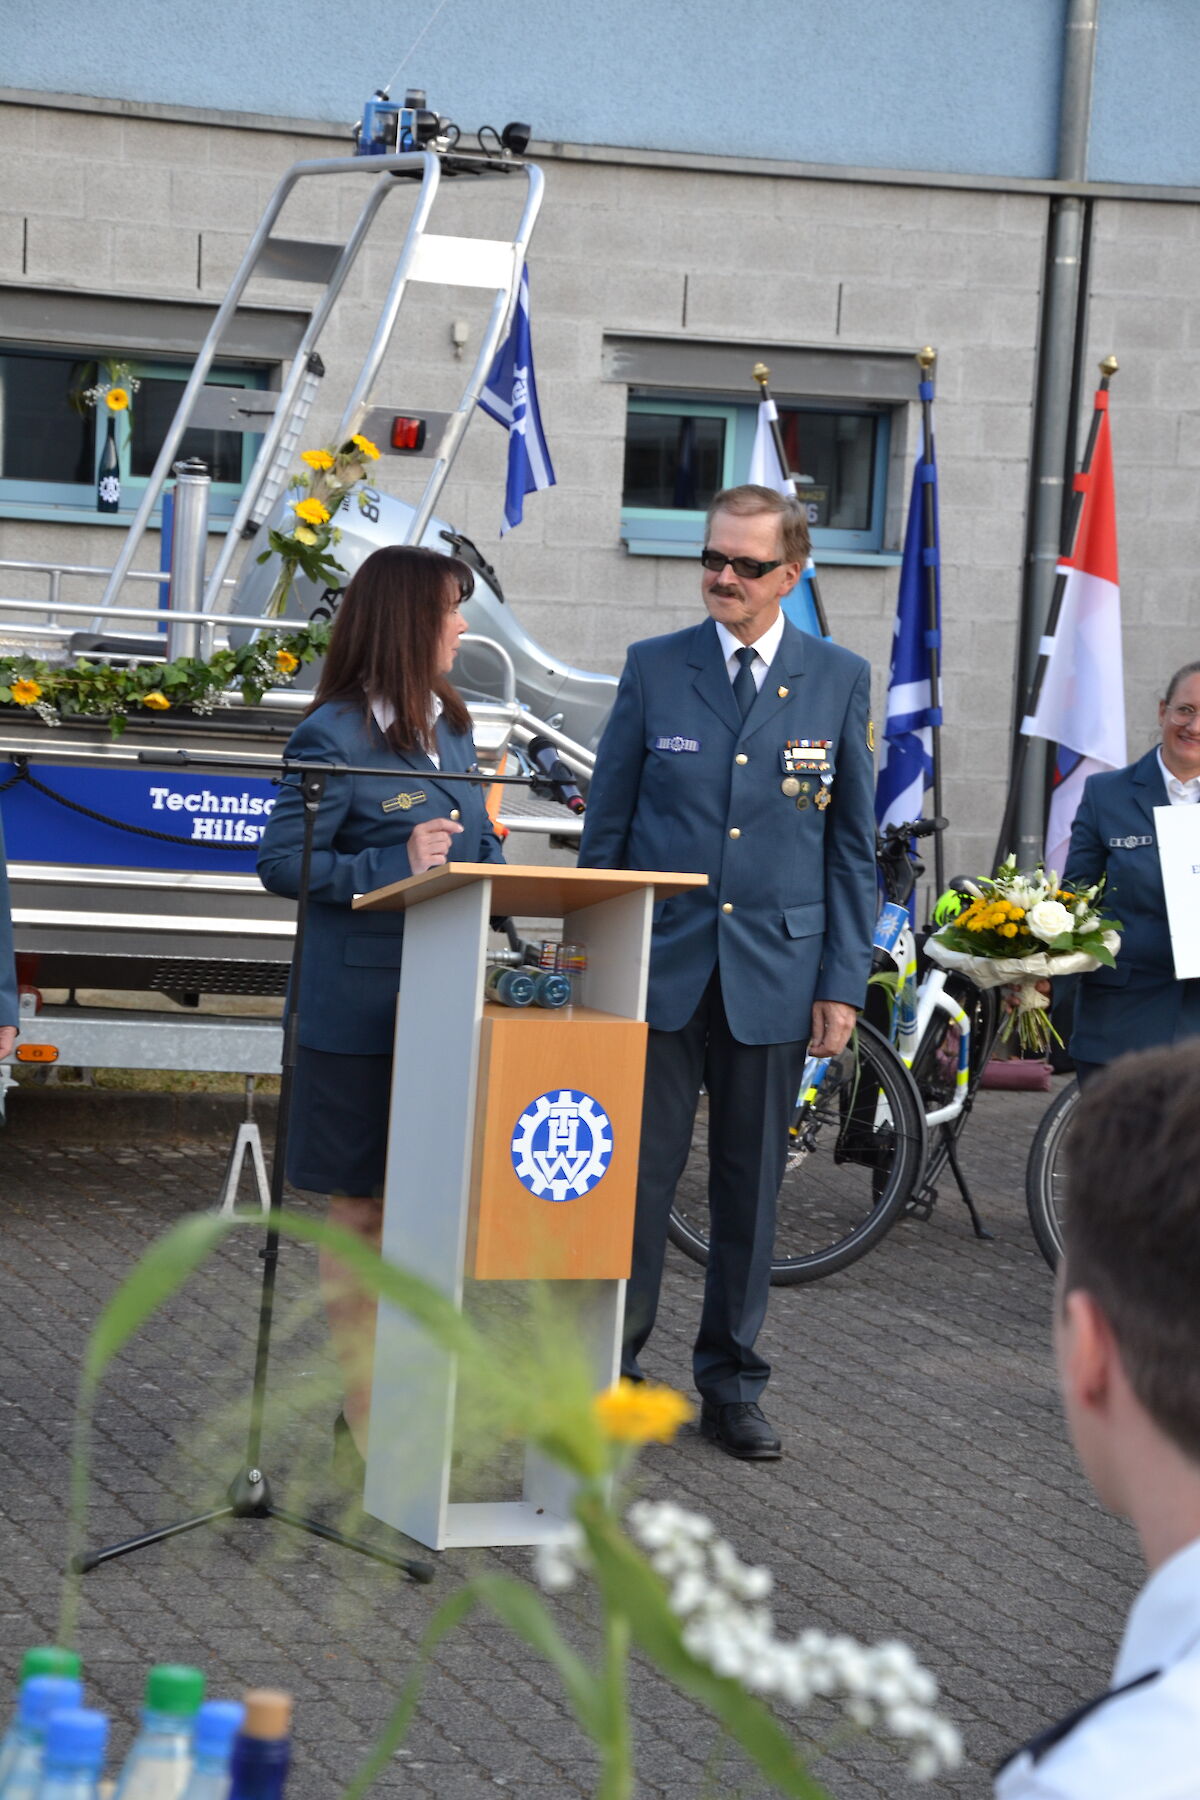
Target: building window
pixel 51 440
pixel 680 451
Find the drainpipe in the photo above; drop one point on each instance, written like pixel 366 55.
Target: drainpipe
pixel 1053 441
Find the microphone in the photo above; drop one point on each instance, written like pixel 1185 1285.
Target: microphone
pixel 559 778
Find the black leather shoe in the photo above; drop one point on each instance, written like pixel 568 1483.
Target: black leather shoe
pixel 348 1464
pixel 741 1429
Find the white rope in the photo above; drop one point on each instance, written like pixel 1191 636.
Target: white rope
pixel 388 85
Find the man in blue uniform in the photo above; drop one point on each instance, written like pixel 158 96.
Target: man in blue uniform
pixel 8 970
pixel 738 748
pixel 1127 1343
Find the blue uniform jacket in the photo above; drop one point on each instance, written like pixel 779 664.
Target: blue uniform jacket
pixel 1139 1003
pixel 8 968
pixel 682 783
pixel 351 969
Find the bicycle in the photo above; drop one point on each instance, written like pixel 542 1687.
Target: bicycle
pixel 860 1153
pixel 1045 1178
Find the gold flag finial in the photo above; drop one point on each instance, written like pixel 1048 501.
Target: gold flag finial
pixel 927 357
pixel 761 374
pixel 1109 366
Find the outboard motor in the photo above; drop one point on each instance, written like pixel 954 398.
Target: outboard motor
pixel 574 700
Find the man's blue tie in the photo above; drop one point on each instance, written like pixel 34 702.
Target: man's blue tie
pixel 744 690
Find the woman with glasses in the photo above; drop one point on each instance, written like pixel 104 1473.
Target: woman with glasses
pixel 384 701
pixel 1138 1003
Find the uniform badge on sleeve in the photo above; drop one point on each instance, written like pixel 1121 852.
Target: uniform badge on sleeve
pixel 404 802
pixel 1128 843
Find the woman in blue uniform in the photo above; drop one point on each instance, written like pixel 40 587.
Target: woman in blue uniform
pixel 1138 1003
pixel 383 700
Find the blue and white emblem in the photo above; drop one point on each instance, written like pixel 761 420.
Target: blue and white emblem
pixel 562 1145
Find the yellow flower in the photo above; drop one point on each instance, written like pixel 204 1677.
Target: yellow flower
pixel 286 663
pixel 156 701
pixel 1009 930
pixel 317 459
pixel 366 446
pixel 311 511
pixel 640 1412
pixel 303 535
pixel 25 692
pixel 117 399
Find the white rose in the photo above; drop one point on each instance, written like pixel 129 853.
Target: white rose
pixel 1048 920
pixel 1111 941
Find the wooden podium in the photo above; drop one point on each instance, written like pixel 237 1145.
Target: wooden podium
pixel 512 1156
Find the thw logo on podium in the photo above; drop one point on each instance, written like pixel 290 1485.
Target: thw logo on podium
pixel 562 1145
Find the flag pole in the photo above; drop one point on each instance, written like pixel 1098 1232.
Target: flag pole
pixel 1108 368
pixel 762 375
pixel 927 358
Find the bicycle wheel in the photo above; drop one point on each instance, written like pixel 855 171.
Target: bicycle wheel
pixel 856 1149
pixel 1045 1179
pixel 935 1067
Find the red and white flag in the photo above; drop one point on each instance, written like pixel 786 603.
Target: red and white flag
pixel 1082 703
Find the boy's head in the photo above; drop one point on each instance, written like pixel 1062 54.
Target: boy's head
pixel 1127 1329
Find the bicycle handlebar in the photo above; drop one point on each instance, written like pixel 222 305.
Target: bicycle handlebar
pixel 915 828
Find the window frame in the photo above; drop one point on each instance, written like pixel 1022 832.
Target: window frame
pixel 75 502
pixel 664 531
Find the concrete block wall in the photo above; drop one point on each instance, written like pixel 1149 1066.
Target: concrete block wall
pixel 154 208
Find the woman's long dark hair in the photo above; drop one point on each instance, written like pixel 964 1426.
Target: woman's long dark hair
pixel 385 640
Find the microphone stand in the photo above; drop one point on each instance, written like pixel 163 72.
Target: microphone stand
pixel 250 1495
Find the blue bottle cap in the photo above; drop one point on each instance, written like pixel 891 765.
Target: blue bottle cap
pixel 44 1694
pixel 217 1724
pixel 75 1739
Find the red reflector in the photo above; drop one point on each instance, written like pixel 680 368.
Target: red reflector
pixel 408 434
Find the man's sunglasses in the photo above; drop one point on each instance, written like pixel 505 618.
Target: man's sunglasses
pixel 745 566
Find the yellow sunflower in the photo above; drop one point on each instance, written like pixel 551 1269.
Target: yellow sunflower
pixel 366 446
pixel 117 399
pixel 311 511
pixel 26 692
pixel 640 1412
pixel 286 663
pixel 317 459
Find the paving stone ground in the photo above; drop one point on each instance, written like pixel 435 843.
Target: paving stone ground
pixel 926 1493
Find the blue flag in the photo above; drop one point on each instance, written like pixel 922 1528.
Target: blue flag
pixel 906 771
pixel 799 606
pixel 510 397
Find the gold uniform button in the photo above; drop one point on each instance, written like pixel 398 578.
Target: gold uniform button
pixel 734 832
pixel 728 906
pixel 741 757
pixel 454 812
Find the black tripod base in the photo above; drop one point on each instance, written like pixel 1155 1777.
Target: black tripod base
pixel 250 1498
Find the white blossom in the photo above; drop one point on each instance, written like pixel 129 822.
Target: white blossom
pixel 557 1564
pixel 719 1599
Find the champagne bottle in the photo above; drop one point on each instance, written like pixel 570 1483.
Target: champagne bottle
pixel 108 482
pixel 263 1747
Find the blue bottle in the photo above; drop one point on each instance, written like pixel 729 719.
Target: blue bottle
pixel 551 989
pixel 217 1724
pixel 160 1757
pixel 510 987
pixel 74 1755
pixel 263 1747
pixel 44 1659
pixel 40 1696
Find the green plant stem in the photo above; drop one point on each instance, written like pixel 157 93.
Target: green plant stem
pixel 616 1748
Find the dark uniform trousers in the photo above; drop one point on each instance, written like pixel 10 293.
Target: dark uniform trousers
pixel 752 1090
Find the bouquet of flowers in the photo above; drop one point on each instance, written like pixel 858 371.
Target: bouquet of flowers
pixel 1017 930
pixel 320 494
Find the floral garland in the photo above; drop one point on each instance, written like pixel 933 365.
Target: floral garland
pixel 50 690
pixel 309 543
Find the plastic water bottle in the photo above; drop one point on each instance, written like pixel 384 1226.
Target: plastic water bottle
pixel 74 1755
pixel 509 987
pixel 40 1696
pixel 263 1747
pixel 160 1757
pixel 217 1724
pixel 551 989
pixel 44 1659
